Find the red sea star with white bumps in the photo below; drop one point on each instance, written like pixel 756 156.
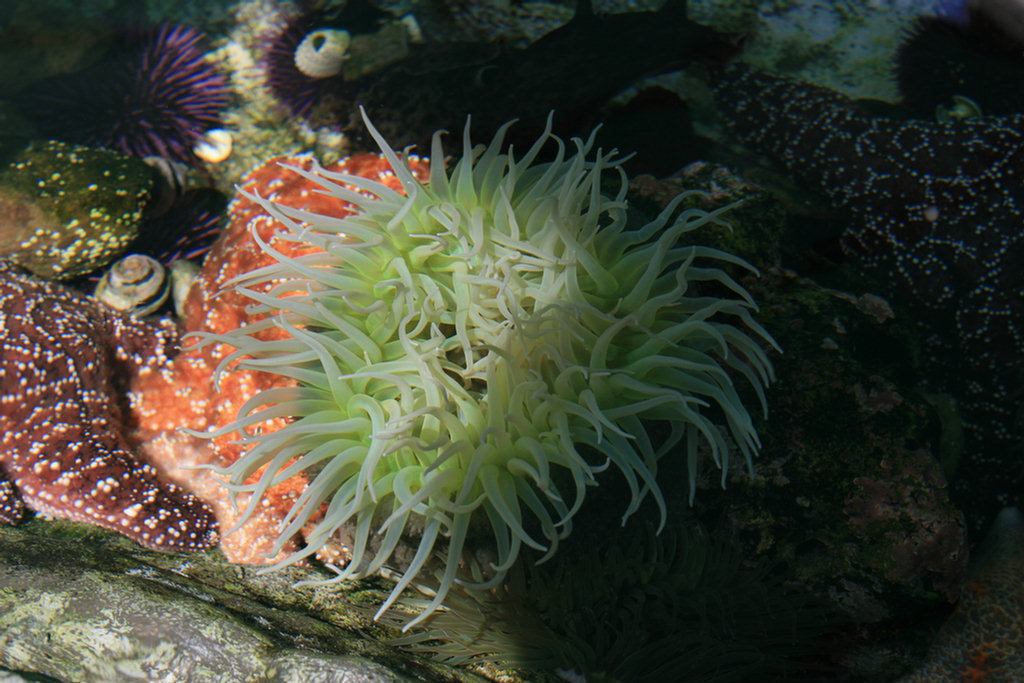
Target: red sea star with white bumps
pixel 63 361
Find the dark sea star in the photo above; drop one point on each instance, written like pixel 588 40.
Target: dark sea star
pixel 64 359
pixel 937 212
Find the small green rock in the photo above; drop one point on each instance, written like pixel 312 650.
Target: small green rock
pixel 66 210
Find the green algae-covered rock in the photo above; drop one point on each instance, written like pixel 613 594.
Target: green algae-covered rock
pixel 66 210
pixel 79 604
pixel 850 488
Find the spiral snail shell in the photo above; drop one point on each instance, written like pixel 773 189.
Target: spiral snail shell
pixel 136 284
pixel 321 52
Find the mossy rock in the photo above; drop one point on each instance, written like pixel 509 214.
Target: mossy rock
pixel 68 210
pixel 80 604
pixel 848 487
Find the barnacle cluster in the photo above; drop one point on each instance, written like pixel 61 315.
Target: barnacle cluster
pixel 473 352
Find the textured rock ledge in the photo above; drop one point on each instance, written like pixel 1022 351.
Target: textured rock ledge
pixel 95 608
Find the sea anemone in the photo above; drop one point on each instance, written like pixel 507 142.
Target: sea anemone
pixel 472 353
pixel 153 94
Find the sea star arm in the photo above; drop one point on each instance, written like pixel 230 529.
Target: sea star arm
pixel 936 214
pixel 64 362
pixel 11 506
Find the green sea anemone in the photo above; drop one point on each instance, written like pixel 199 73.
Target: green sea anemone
pixel 473 353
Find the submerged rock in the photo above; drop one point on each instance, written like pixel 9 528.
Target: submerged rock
pixel 67 210
pixel 85 606
pixel 982 641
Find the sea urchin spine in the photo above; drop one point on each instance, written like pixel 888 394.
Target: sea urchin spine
pixel 474 351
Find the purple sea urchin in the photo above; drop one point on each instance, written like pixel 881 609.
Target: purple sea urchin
pixel 473 353
pixel 153 94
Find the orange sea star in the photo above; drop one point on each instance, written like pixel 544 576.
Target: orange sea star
pixel 186 394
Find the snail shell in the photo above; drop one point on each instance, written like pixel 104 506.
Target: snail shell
pixel 321 52
pixel 136 284
pixel 182 273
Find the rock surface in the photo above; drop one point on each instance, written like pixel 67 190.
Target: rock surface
pixel 82 605
pixel 68 209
